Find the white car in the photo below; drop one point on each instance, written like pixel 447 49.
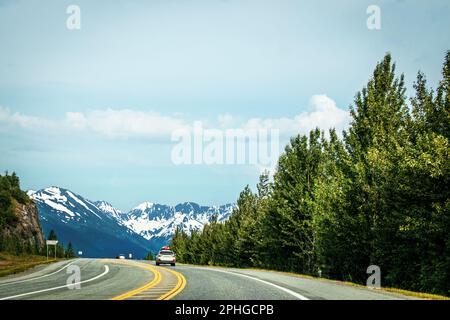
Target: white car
pixel 121 256
pixel 166 257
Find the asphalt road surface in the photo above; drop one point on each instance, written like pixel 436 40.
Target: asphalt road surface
pixel 127 279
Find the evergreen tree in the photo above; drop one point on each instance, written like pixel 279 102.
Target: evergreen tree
pixel 69 251
pixel 245 218
pixel 292 196
pixel 52 235
pixel 378 196
pixel 149 256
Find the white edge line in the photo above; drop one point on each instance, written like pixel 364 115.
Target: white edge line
pixel 60 287
pixel 35 278
pixel 293 293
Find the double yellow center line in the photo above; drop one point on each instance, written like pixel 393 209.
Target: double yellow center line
pixel 181 282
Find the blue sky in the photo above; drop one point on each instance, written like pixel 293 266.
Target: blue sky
pixel 67 97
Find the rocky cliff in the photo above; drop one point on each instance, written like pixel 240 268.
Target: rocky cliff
pixel 25 234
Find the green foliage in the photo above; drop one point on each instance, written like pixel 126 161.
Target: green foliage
pixel 380 195
pixel 149 256
pixel 52 235
pixel 61 252
pixel 69 251
pixel 9 194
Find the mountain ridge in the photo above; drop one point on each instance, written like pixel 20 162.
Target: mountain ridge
pixel 146 227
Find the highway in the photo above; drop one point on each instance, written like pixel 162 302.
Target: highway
pixel 101 279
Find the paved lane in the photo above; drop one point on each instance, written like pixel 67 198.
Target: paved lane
pixel 227 283
pixel 100 279
pixel 139 280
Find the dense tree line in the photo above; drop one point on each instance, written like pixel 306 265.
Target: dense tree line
pixel 377 196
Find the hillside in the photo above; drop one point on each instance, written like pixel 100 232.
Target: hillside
pixel 91 230
pixel 20 230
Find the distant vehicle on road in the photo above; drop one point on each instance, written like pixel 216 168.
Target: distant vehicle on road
pixel 166 256
pixel 121 256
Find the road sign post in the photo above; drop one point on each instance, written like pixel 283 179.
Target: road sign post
pixel 51 243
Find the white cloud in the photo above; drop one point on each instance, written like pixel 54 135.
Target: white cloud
pixel 324 114
pixel 108 122
pixel 76 120
pixel 124 123
pixel 226 120
pixel 24 121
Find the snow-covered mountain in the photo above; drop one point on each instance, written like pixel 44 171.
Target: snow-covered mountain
pixel 157 222
pixel 107 208
pixel 99 229
pixel 92 227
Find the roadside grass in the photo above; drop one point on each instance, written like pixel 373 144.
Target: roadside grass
pixel 11 264
pixel 413 294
